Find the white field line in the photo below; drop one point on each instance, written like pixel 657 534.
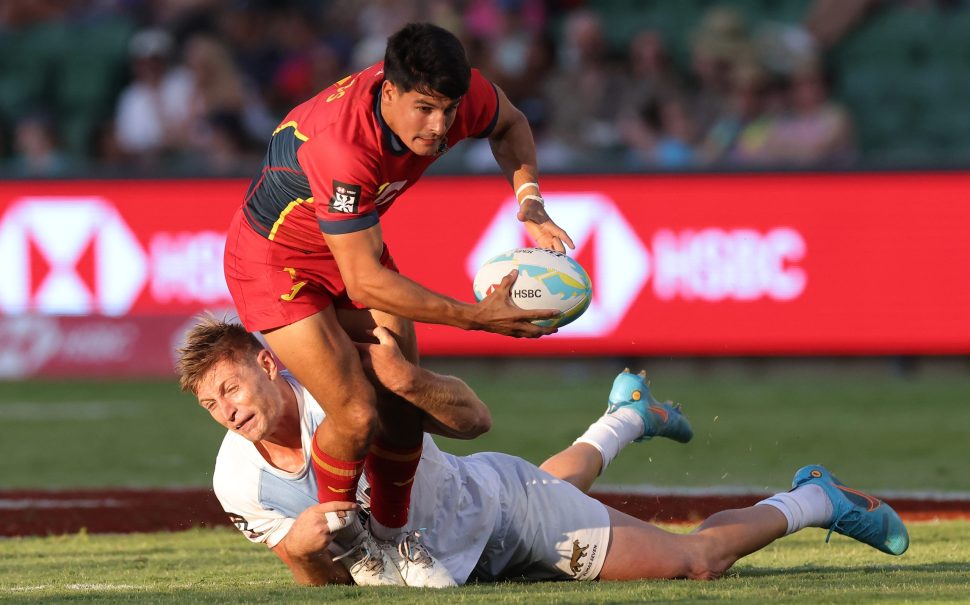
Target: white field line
pixel 102 586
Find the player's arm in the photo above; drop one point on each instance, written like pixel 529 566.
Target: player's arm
pixel 372 285
pixel 452 409
pixel 515 151
pixel 304 548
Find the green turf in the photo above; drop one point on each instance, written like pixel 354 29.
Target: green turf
pixel 755 423
pixel 220 566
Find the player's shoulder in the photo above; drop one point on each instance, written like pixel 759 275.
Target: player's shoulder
pixel 339 112
pixel 236 472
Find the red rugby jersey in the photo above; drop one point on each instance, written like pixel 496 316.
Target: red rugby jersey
pixel 334 166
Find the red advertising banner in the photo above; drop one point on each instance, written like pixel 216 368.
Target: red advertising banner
pixel 680 264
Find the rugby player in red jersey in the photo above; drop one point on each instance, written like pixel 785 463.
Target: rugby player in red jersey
pixel 307 265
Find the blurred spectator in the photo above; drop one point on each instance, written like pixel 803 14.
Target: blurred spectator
pixel 584 89
pixel 377 20
pixel 490 19
pixel 815 130
pixel 741 135
pixel 219 88
pixel 661 136
pixel 650 74
pixel 228 152
pixel 252 30
pixel 307 64
pixel 210 78
pixel 36 152
pixel 719 44
pixel 153 110
pixel 109 159
pixel 829 20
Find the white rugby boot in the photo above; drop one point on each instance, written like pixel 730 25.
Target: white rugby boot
pixel 415 562
pixel 367 560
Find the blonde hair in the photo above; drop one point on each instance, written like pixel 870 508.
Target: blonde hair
pixel 208 342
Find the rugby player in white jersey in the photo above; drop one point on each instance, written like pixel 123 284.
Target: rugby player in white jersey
pixel 488 516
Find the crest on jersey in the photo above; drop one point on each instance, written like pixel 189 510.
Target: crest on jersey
pixel 345 198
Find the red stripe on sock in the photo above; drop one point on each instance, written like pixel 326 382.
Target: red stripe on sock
pixel 336 479
pixel 391 472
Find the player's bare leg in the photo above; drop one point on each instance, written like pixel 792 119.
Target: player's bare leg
pixel 639 550
pixel 320 354
pixel 396 450
pixel 579 464
pixel 394 456
pixel 323 358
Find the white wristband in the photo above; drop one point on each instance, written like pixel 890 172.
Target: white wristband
pixel 525 186
pixel 537 198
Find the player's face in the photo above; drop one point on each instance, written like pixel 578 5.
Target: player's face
pixel 242 398
pixel 421 121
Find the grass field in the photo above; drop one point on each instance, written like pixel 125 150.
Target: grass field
pixel 220 566
pixel 755 423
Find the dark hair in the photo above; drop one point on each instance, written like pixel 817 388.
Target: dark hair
pixel 428 59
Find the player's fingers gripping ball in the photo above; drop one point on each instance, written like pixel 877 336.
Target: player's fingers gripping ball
pixel 546 280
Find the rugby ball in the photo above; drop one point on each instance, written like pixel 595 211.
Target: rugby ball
pixel 546 280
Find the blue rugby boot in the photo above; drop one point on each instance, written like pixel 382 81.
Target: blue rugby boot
pixel 659 419
pixel 855 514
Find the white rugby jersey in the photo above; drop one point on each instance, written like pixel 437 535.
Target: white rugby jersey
pixel 454 500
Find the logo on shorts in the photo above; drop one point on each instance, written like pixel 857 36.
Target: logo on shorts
pixel 345 198
pixel 578 553
pixel 242 525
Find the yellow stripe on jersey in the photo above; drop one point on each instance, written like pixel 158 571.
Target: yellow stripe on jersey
pixel 289 208
pixel 296 131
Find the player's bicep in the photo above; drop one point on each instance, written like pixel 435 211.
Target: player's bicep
pixel 506 117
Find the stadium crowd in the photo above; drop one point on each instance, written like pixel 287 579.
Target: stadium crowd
pixel 197 86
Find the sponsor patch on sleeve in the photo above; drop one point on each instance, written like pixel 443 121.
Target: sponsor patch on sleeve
pixel 345 198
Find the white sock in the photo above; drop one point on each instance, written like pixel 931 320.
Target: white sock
pixel 383 532
pixel 804 506
pixel 613 432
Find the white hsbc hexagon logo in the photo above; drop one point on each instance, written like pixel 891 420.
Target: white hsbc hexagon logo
pixel 582 215
pixel 68 256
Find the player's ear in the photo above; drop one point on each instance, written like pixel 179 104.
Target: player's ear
pixel 389 91
pixel 267 363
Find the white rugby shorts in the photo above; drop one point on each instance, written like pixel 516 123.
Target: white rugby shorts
pixel 548 529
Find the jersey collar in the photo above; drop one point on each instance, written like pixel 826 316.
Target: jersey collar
pixel 394 142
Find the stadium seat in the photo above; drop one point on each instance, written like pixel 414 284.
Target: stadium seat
pixel 90 75
pixel 27 59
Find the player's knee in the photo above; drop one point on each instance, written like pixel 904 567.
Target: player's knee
pixel 481 424
pixel 703 564
pixel 707 567
pixel 357 421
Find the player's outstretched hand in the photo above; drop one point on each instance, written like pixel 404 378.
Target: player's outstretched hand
pixel 384 362
pixel 542 229
pixel 497 313
pixel 312 529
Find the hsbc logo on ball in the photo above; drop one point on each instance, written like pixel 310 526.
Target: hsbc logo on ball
pixel 78 256
pixel 708 265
